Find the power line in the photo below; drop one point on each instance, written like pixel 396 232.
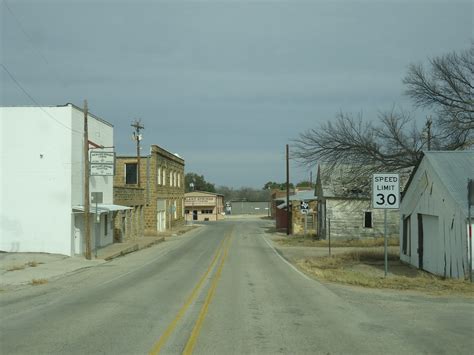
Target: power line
pixel 30 39
pixel 34 101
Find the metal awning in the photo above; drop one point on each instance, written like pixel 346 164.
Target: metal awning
pixel 101 208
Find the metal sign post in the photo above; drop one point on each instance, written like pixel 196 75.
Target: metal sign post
pixel 385 195
pixel 305 224
pixel 304 210
pixel 97 197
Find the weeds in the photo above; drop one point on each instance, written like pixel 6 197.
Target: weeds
pixel 33 263
pixel 37 282
pixel 22 267
pixel 357 268
pixel 352 243
pixel 16 267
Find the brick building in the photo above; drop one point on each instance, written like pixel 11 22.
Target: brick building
pixel 162 181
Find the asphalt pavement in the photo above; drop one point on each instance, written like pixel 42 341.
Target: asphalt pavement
pixel 22 269
pixel 223 289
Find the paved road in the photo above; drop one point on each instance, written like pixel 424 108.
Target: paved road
pixel 223 290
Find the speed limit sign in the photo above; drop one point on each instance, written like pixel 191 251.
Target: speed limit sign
pixel 386 191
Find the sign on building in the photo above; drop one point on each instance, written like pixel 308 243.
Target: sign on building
pixel 102 169
pixel 102 163
pixel 386 191
pixel 98 157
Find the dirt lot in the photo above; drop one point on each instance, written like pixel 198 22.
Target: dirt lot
pixel 362 264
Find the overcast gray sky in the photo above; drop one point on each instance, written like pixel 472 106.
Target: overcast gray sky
pixel 225 84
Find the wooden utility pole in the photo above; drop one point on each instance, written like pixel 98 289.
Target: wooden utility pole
pixel 136 135
pixel 429 122
pixel 87 231
pixel 288 210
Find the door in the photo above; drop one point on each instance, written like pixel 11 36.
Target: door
pixel 161 221
pixel 161 215
pixel 420 241
pixel 195 215
pixel 432 245
pixel 78 227
pixel 123 229
pixel 77 241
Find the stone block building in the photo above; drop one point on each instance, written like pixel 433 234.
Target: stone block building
pixel 129 224
pixel 162 180
pixel 298 218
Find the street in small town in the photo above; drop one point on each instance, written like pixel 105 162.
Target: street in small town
pixel 223 288
pixel 236 177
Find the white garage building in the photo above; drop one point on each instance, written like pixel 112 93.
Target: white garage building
pixel 434 214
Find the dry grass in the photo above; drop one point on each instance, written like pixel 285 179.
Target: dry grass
pixel 365 268
pixel 37 282
pixel 33 263
pixel 16 267
pixel 22 267
pixel 300 241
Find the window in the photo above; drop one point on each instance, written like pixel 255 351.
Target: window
pixel 164 176
pixel 158 176
pixel 175 210
pixel 171 178
pixel 131 173
pixel 206 211
pixel 175 180
pixel 367 219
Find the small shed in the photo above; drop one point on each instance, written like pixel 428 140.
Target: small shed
pixel 434 211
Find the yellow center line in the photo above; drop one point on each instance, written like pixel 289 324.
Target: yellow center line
pixel 202 314
pixel 164 337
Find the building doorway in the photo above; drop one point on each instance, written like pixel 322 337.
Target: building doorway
pixel 195 215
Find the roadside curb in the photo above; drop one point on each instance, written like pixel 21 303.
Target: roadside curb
pixel 133 248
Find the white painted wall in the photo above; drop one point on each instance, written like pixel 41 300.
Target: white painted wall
pixel 102 134
pixel 35 193
pixel 445 249
pixel 41 164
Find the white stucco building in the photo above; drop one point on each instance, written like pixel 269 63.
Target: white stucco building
pixel 434 214
pixel 41 181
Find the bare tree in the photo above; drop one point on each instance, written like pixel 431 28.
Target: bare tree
pixel 352 149
pixel 356 149
pixel 448 89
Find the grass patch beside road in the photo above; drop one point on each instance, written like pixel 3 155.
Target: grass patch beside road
pixel 22 267
pixel 37 282
pixel 301 241
pixel 365 268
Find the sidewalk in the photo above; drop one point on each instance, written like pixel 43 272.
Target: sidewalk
pixel 17 269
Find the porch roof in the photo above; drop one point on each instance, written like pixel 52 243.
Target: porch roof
pixel 101 208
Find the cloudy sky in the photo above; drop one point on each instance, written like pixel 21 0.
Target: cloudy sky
pixel 225 84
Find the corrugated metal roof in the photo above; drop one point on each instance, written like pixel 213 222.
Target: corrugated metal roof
pixel 303 196
pixel 454 168
pixel 299 196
